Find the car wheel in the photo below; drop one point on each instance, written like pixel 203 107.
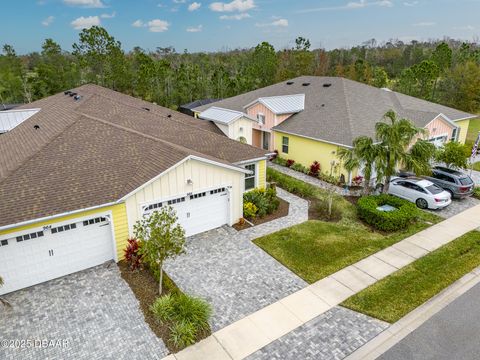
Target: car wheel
pixel 422 203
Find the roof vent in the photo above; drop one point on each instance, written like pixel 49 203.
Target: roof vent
pixel 169 115
pixel 145 108
pixel 323 105
pixel 77 97
pixel 36 127
pixel 305 84
pixel 326 85
pixel 72 94
pixel 68 92
pixel 290 82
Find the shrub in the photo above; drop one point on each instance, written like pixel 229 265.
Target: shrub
pixel 328 178
pixel 132 256
pixel 188 316
pixel 314 169
pixel 289 163
pixel 182 334
pixel 476 192
pixel 300 168
pixel 291 184
pixel 249 210
pixel 357 180
pixel 280 161
pixel 405 214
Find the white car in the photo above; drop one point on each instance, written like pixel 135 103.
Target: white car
pixel 424 193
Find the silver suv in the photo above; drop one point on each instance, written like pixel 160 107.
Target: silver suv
pixel 455 182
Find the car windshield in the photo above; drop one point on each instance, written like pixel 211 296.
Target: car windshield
pixel 434 189
pixel 465 181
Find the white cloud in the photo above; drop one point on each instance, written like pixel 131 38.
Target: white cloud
pixel 179 1
pixel 235 5
pixel 235 17
pixel 194 6
pixel 85 22
pixel 108 16
pixel 352 5
pixel 195 29
pixel 424 24
pixel 48 20
pixel 137 23
pixel 410 3
pixel 85 3
pixel 464 27
pixel 157 25
pixel 275 23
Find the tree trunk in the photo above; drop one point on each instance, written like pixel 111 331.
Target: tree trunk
pixel 330 200
pixel 160 282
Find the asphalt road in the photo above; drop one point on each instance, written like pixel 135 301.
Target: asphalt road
pixel 453 333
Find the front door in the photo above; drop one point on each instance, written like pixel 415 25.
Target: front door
pixel 266 140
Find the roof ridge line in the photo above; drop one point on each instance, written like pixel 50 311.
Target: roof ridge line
pixel 347 106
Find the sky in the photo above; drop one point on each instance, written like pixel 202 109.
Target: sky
pixel 208 25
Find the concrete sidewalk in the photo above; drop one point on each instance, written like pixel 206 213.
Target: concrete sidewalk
pixel 257 330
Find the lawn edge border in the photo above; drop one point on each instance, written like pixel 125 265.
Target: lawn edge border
pixel 413 320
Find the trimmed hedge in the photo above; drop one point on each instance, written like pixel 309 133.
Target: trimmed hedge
pixel 405 214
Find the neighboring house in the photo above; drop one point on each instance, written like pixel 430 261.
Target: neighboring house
pixel 234 124
pixel 78 174
pixel 9 119
pixel 308 118
pixel 187 109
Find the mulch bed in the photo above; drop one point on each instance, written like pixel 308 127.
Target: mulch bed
pixel 280 212
pixel 145 288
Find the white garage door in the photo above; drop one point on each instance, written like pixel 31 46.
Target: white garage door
pixel 200 211
pixel 42 254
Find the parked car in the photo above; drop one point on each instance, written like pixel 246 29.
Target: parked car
pixel 424 193
pixel 458 184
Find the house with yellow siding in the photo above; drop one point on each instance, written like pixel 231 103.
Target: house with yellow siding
pixel 77 173
pixel 309 118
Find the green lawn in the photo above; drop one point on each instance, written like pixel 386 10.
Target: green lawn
pixel 395 296
pixel 476 166
pixel 473 130
pixel 316 249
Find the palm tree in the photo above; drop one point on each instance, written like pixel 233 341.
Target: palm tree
pixel 394 138
pixel 363 153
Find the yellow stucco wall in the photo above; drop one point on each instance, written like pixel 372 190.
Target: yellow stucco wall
pixel 306 151
pixel 463 130
pixel 262 174
pixel 119 217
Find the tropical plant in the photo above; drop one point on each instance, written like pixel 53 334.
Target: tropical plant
pixel 162 238
pixel 249 210
pixel 300 168
pixel 132 254
pixel 363 154
pixel 290 162
pixel 395 137
pixel 182 334
pixel 314 169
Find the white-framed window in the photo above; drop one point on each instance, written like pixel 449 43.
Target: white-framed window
pixel 261 118
pixel 454 134
pixel 250 179
pixel 285 144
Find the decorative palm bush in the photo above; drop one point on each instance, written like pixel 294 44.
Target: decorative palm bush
pixel 314 169
pixel 132 255
pixel 260 202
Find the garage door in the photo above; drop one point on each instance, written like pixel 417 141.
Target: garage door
pixel 42 254
pixel 199 211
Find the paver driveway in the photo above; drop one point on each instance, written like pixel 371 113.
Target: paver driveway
pixel 456 207
pixel 235 276
pixel 94 311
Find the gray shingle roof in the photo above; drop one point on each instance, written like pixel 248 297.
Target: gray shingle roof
pixel 344 110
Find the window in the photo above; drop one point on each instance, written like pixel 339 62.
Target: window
pixel 250 178
pixel 285 144
pixel 216 191
pixel 261 118
pixel 29 236
pixel 63 228
pixel 93 221
pixel 175 201
pixel 199 195
pixel 153 206
pixel 454 134
pixel 4 242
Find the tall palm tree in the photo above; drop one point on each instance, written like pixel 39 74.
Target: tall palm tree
pixel 394 138
pixel 363 153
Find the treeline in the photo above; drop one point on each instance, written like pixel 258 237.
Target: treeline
pixel 447 72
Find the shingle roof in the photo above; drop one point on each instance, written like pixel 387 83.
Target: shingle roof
pixel 219 115
pixel 96 150
pixel 12 118
pixel 284 104
pixel 338 110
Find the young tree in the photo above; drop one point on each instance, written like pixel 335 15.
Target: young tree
pixel 395 137
pixel 454 155
pixel 162 238
pixel 363 154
